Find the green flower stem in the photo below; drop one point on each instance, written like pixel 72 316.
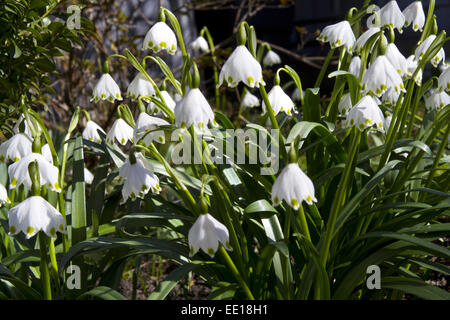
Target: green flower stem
pixel 340 194
pixel 429 21
pixel 224 254
pixel 287 231
pixel 45 274
pixel 324 68
pixel 198 148
pixel 212 50
pixel 303 223
pixel 412 118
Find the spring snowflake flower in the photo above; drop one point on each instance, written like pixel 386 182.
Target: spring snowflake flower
pixel 423 48
pixel 294 187
pixel 279 101
pixel 121 131
pixel 381 76
pixel 250 100
pixel 339 34
pixel 139 178
pixel 345 104
pixel 48 173
pixel 363 38
pixel 390 97
pixel 160 37
pixel 200 44
pixel 91 132
pixel 145 125
pixel 415 15
pixel 3 195
pixel 170 103
pixel 16 147
pixel 205 234
pixel 390 14
pixel 436 99
pixel 88 176
pixel 412 66
pixel 444 80
pixel 241 66
pixel 355 66
pixel 35 214
pixel 47 153
pixel 271 58
pixel 194 109
pixel 364 114
pixel 106 89
pixel 140 86
pixel 397 60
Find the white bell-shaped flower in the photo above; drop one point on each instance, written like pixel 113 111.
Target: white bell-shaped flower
pixel 271 58
pixel 436 100
pixel 3 195
pixel 363 38
pixel 249 100
pixel 160 37
pixel 241 66
pixel 423 48
pixel 365 114
pixel 88 176
pixel 140 86
pixel 106 89
pixel 47 153
pixel 412 66
pixel 355 66
pixel 16 147
pixel 339 34
pixel 345 104
pixel 381 76
pixel 444 80
pixel 35 214
pixel 279 101
pixel 294 187
pixel 194 109
pixel 391 96
pixel 390 14
pixel 170 103
pixel 139 178
pixel 144 129
pixel 415 16
pixel 398 60
pixel 91 132
pixel 48 173
pixel 200 44
pixel 121 131
pixel 205 234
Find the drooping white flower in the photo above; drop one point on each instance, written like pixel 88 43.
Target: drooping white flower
pixel 249 100
pixel 363 38
pixel 121 131
pixel 412 65
pixel 194 109
pixel 279 101
pixel 381 76
pixel 390 14
pixel 365 114
pixel 436 100
pixel 271 58
pixel 140 86
pixel 3 195
pixel 339 34
pixel 160 37
pixel 415 15
pixel 355 66
pixel 391 96
pixel 106 89
pixel 88 176
pixel 35 214
pixel 241 66
pixel 294 187
pixel 200 44
pixel 15 148
pixel 423 48
pixel 205 234
pixel 170 103
pixel 46 152
pixel 139 179
pixel 145 125
pixel 48 173
pixel 91 132
pixel 397 60
pixel 444 80
pixel 345 104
